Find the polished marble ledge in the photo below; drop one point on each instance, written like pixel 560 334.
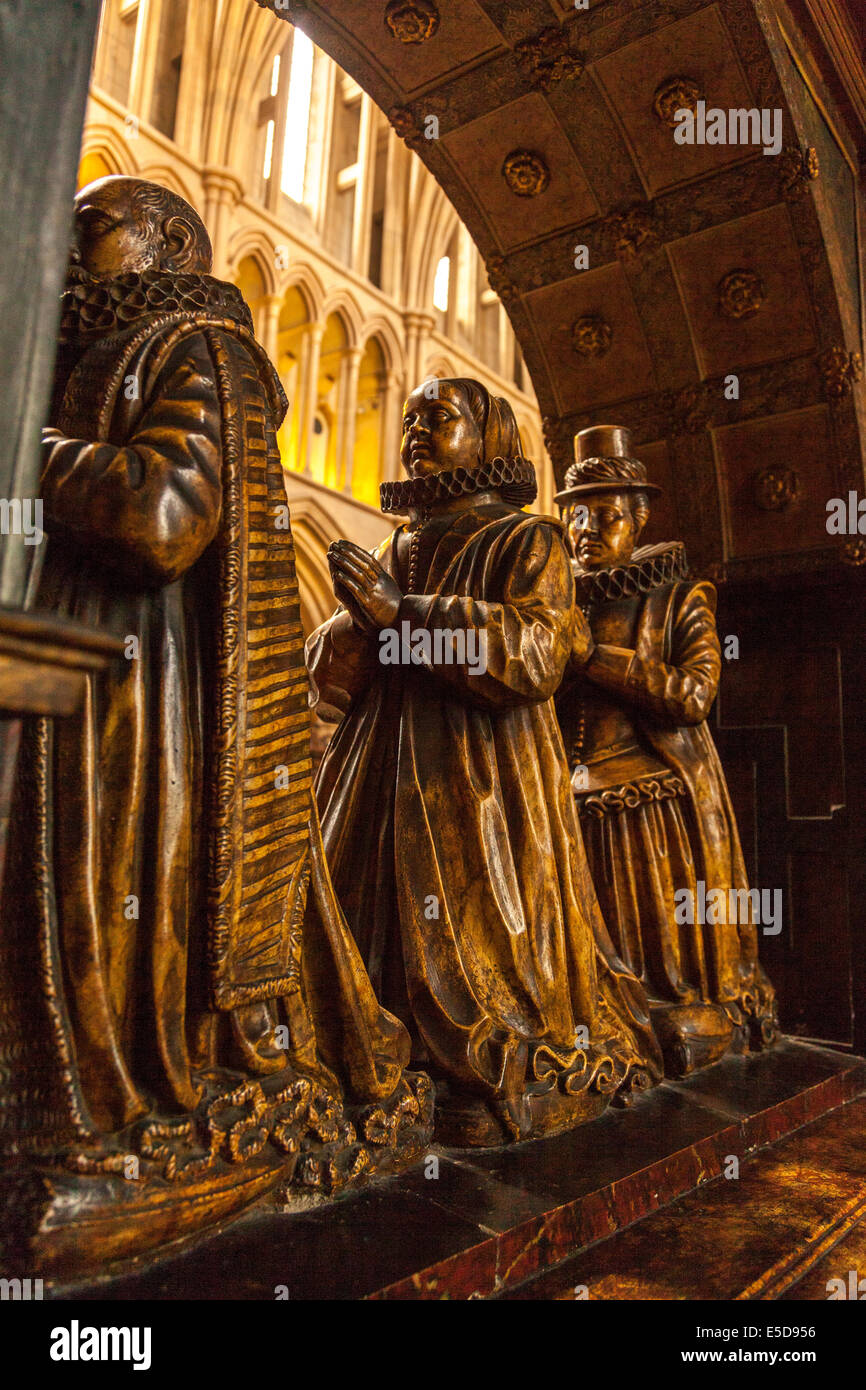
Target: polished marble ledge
pixel 477 1223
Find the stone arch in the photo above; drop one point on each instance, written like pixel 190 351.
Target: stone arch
pixel 313 530
pixel 637 336
pixel 305 280
pixel 391 345
pixel 107 152
pixel 434 225
pixel 341 304
pixel 250 243
pixel 443 225
pixel 439 366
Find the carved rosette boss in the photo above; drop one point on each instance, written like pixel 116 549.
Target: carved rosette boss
pixel 526 173
pixel 741 294
pixel 776 489
pixel 591 336
pixel 412 21
pixel 673 95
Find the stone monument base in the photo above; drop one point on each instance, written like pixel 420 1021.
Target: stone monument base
pixel 502 1222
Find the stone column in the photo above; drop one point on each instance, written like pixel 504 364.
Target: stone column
pixel 392 426
pixel 506 345
pixel 308 391
pixel 269 324
pixel 144 57
pixel 419 324
pixel 274 190
pixel 363 187
pixel 223 191
pixel 348 414
pixel 392 227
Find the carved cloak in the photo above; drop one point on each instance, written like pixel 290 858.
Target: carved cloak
pixel 450 829
pixel 166 836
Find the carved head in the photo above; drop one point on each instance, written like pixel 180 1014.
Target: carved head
pixel 126 224
pixel 605 502
pixel 455 423
pixel 603 527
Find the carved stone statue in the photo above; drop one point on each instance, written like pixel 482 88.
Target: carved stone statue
pixel 180 998
pixel 446 808
pixel 654 808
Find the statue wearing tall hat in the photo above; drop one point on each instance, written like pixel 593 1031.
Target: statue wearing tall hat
pixel 651 796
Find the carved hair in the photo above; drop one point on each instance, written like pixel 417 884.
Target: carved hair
pixel 615 470
pixel 494 417
pixel 155 205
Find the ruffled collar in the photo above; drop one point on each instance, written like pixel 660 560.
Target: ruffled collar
pixel 92 308
pixel 649 568
pixel 514 478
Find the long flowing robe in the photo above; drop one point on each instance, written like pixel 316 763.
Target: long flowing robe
pixel 663 674
pixel 450 830
pixel 166 847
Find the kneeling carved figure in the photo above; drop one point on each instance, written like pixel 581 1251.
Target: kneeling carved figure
pixel 654 807
pixel 445 799
pixel 184 1016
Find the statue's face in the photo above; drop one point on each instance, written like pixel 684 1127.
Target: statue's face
pixel 439 433
pixel 109 238
pixel 602 530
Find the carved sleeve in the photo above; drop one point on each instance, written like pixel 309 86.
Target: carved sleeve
pixel 150 508
pixel 521 644
pixel 340 662
pixel 680 691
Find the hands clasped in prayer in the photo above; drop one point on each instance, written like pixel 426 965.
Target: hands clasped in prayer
pixel 368 593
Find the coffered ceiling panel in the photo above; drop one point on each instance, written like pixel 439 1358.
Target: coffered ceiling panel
pixel 777 478
pixel 664 522
pixel 554 192
pixel 591 336
pixel 555 129
pixel 744 293
pixel 460 31
pixel 697 49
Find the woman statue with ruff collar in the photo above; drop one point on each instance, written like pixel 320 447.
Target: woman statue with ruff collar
pixel 651 794
pixel 445 798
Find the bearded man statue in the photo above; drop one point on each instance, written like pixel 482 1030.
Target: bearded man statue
pixel 444 795
pixel 179 985
pixel 654 807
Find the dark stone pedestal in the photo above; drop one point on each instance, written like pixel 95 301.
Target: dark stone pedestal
pixel 494 1218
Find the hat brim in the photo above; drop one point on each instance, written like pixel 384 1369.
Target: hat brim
pixel 583 488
